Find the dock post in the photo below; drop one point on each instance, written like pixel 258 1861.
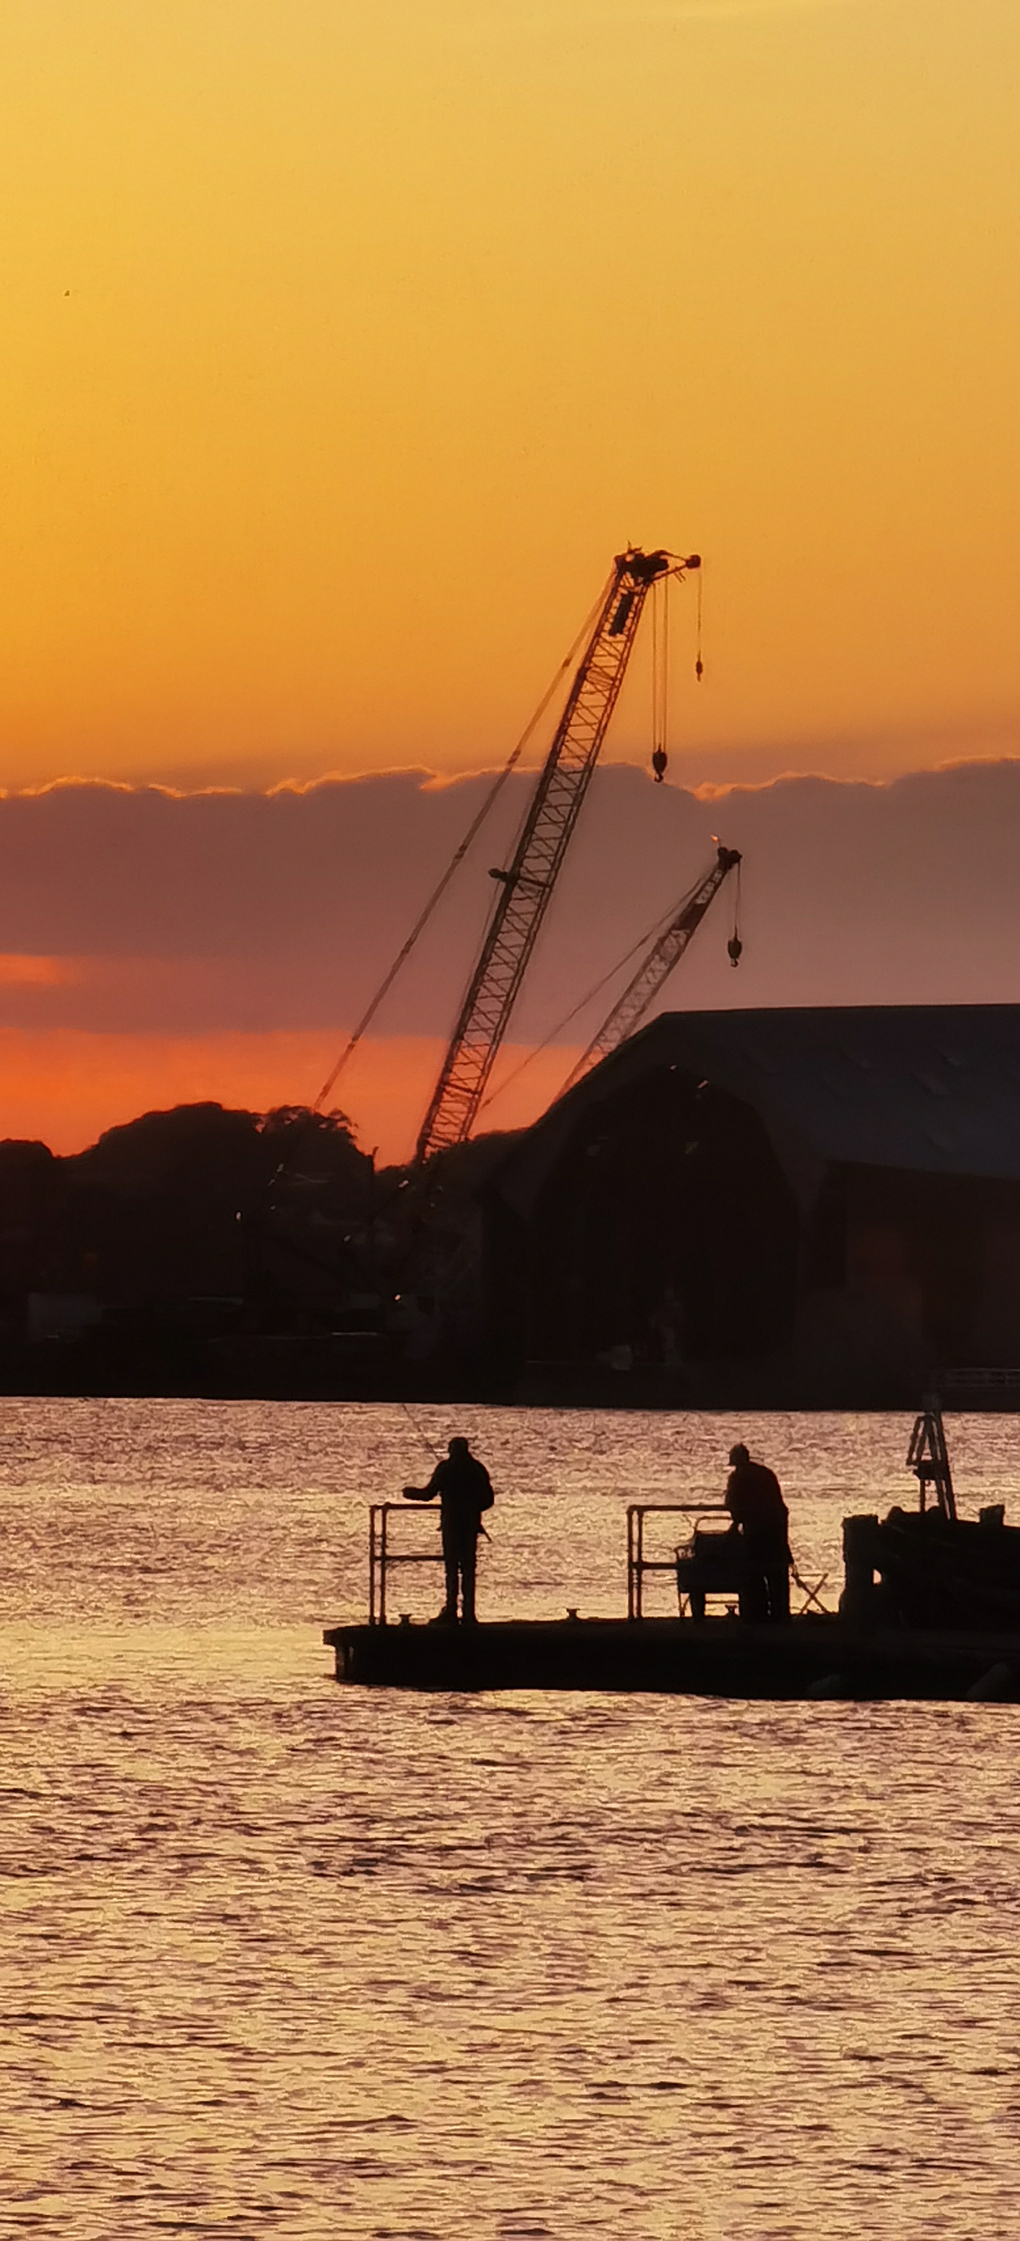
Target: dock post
pixel 635 1560
pixel 857 1600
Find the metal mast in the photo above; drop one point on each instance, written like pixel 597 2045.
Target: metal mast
pixel 527 886
pixel 928 1457
pixel 655 968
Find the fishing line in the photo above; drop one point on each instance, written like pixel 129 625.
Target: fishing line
pixel 422 1437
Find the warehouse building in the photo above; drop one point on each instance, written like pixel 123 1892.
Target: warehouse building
pixel 788 1206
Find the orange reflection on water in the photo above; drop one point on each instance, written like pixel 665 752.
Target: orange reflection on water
pixel 287 1958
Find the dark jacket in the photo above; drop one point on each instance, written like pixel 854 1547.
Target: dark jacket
pixel 755 1503
pixel 464 1489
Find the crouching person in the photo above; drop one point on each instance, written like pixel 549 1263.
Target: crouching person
pixel 755 1503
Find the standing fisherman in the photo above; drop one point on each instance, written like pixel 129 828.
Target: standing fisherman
pixel 465 1491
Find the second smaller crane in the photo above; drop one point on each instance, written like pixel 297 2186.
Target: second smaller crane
pixel 657 964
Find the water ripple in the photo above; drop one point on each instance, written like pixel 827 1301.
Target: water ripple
pixel 281 1959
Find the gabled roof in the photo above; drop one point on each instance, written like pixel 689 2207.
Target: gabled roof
pixel 932 1088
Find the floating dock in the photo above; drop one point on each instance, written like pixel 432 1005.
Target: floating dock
pixel 929 1613
pixel 812 1658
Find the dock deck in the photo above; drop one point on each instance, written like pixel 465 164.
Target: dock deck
pixel 813 1657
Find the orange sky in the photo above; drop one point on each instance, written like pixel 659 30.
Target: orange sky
pixel 343 345
pixel 80 1084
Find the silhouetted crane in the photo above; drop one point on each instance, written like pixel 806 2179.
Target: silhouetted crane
pixel 527 885
pixel 656 966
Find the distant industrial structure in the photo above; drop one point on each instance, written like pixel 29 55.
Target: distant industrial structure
pixel 794 1206
pixel 772 1208
pixel 526 885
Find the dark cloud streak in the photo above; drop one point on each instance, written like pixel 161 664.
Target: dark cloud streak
pixel 250 911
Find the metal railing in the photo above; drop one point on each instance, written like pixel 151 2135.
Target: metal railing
pixel 637 1562
pixel 381 1557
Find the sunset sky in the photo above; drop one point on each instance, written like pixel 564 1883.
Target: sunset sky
pixel 343 346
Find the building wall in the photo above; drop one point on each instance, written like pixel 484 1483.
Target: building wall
pixel 666 1233
pixel 666 1226
pixel 907 1276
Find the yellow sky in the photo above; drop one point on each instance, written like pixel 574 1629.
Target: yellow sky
pixel 342 345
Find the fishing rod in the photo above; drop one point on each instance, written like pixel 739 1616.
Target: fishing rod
pixel 420 1435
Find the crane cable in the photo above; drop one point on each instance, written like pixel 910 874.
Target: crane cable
pixel 458 857
pixel 660 675
pixel 660 666
pixel 735 946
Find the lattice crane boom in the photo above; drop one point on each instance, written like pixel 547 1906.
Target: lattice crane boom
pixel 526 887
pixel 656 966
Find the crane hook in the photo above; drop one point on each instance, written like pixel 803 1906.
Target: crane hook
pixel 660 760
pixel 734 949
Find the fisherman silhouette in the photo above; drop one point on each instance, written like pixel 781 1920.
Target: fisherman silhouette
pixel 760 1516
pixel 465 1490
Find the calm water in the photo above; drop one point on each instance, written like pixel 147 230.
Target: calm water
pixel 284 1959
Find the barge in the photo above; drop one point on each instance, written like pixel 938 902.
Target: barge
pixel 930 1612
pixel 811 1658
